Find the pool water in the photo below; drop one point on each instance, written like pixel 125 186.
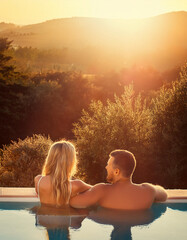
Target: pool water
pixel 20 221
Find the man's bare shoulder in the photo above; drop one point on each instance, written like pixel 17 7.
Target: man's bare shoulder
pixel 157 192
pixel 101 186
pixel 149 187
pixel 160 194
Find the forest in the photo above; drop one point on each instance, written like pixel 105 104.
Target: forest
pixel 138 108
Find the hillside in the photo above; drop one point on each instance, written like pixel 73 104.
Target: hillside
pixel 159 41
pixel 7 26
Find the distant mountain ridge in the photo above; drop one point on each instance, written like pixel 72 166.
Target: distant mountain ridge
pixel 7 26
pixel 154 40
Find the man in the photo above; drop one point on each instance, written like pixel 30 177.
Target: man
pixel 121 193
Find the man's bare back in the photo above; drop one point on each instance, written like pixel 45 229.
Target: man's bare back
pixel 127 195
pixel 122 193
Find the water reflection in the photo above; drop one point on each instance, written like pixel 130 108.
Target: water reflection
pixel 122 221
pixel 58 221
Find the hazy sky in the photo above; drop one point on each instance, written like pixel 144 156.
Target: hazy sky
pixel 35 11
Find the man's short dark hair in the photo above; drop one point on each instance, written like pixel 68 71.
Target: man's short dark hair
pixel 125 161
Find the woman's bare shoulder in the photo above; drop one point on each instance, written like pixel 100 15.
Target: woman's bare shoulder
pixel 36 179
pixel 45 179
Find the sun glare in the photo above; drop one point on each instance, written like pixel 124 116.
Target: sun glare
pixel 119 9
pixel 134 8
pixel 35 11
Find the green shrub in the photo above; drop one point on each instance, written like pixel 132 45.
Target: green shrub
pixel 156 134
pixel 125 123
pixel 169 141
pixel 22 160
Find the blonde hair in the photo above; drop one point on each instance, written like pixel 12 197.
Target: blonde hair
pixel 60 164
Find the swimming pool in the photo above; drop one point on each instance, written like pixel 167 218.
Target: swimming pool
pixel 28 220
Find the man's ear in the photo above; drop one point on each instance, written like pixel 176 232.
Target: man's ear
pixel 117 171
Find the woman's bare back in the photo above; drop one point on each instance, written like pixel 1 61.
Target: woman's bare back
pixel 43 187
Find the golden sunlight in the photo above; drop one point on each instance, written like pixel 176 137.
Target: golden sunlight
pixel 126 8
pixel 35 11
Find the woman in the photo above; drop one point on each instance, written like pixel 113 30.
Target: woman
pixel 54 186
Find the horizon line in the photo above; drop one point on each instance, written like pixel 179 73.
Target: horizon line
pixel 112 18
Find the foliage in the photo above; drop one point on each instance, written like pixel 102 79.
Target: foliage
pixel 156 134
pixel 40 103
pixel 122 124
pixel 22 160
pixel 152 124
pixel 169 141
pixel 5 68
pixel 8 71
pixel 56 101
pixel 33 60
pixel 13 96
pixel 13 102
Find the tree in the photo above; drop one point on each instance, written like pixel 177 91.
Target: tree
pixel 122 124
pixel 56 101
pixel 7 71
pixel 156 134
pixel 13 96
pixel 169 141
pixel 13 102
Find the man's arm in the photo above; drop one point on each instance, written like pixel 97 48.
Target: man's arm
pixel 88 198
pixel 82 186
pixel 160 194
pixel 79 186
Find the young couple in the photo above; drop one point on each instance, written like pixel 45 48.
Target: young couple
pixel 55 187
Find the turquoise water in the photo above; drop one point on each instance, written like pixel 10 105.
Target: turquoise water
pixel 20 221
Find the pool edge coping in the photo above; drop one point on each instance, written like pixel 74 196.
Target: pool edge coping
pixel 15 194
